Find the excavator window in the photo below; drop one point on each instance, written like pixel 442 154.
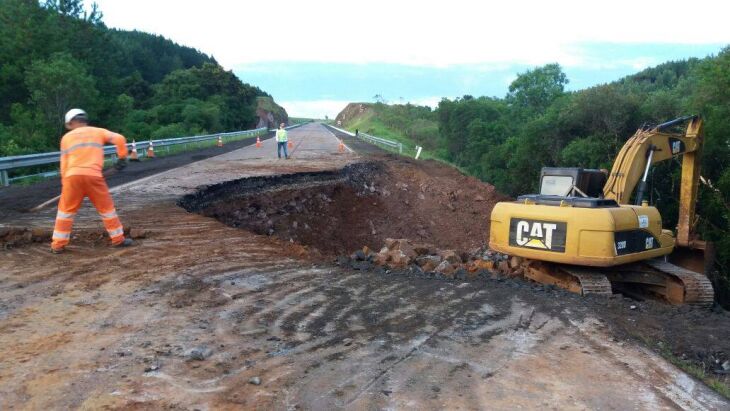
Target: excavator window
pixel 556 185
pixel 572 181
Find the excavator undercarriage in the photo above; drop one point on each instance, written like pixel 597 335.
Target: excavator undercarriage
pixel 650 279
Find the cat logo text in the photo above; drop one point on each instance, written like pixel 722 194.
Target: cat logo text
pixel 544 235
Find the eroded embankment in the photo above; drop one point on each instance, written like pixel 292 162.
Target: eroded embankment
pixel 362 204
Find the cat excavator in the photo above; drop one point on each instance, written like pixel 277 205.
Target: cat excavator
pixel 582 233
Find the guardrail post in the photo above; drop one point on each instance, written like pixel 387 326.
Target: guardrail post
pixel 4 179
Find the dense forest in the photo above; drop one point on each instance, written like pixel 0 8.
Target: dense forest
pixel 55 55
pixel 505 141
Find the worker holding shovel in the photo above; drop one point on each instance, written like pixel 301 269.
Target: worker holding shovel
pixel 82 160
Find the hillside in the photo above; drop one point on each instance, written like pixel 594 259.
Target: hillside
pixel 56 56
pixel 409 124
pixel 269 113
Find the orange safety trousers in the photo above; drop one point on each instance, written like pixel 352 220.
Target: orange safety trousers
pixel 74 189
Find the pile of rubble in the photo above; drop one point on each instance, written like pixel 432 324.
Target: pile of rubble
pixel 425 260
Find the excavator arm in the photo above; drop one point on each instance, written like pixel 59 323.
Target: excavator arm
pixel 650 146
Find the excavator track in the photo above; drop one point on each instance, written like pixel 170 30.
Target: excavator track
pixel 698 289
pixel 591 282
pixel 647 279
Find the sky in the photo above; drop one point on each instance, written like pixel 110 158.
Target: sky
pixel 315 56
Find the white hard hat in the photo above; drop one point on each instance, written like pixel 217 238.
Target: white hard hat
pixel 73 113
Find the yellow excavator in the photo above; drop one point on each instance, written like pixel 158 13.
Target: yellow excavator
pixel 581 232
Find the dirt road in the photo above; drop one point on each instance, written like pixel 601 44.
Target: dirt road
pixel 200 315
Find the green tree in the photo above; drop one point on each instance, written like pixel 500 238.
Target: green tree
pixel 534 90
pixel 58 84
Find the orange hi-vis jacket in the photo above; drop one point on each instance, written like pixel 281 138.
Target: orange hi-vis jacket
pixel 82 150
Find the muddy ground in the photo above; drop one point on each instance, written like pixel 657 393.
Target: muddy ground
pixel 335 213
pixel 202 315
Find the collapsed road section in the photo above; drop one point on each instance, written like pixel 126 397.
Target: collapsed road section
pixel 206 315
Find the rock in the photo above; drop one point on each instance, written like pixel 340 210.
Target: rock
pixel 429 266
pixel 446 269
pixel 400 259
pixel 461 274
pixel 361 265
pixel 391 243
pixel 515 262
pixel 421 196
pixel 726 366
pixel 633 307
pixel 450 256
pixel 503 267
pixel 477 265
pixel 424 259
pixel 421 249
pixel 450 207
pixel 152 367
pixel 381 258
pixel 478 198
pixel 199 353
pixel 415 270
pixel 254 380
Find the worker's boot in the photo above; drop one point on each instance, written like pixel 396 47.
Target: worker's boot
pixel 58 250
pixel 126 243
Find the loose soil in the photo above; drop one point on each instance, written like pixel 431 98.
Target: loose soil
pixel 197 309
pixel 362 204
pixel 335 213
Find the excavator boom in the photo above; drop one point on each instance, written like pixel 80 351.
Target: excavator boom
pixel 650 146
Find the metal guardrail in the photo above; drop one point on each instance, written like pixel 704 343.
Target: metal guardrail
pixel 373 139
pixel 12 162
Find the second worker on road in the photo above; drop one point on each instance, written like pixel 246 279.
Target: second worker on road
pixel 281 140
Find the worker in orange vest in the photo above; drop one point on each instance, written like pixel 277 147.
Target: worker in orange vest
pixel 82 159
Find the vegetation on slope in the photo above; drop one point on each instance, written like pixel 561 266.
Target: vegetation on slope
pixel 56 56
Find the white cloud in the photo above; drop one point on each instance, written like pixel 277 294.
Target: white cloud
pixel 320 108
pixel 447 33
pixel 314 109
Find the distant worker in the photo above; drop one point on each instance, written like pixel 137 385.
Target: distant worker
pixel 281 139
pixel 82 159
pixel 357 132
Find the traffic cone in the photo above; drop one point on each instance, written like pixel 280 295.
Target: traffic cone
pixel 258 142
pixel 133 155
pixel 290 145
pixel 220 141
pixel 151 150
pixel 342 146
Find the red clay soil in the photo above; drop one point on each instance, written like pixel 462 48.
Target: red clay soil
pixel 389 197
